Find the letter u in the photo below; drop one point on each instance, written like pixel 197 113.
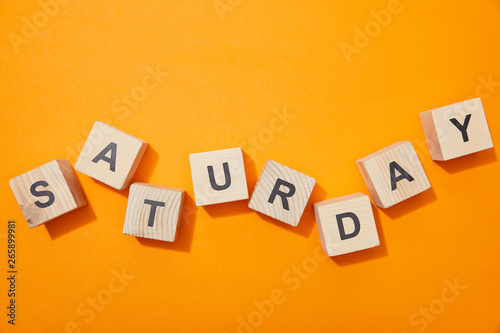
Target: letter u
pixel 227 175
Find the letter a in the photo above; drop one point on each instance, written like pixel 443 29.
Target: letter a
pixel 111 160
pixel 403 175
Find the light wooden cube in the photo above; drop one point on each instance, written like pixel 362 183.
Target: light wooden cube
pixel 346 224
pixel 110 155
pixel 456 130
pixel 153 212
pixel 218 176
pixel 47 192
pixel 393 174
pixel 281 193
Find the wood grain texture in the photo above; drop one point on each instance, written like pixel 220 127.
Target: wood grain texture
pixel 204 192
pixel 271 172
pixel 326 219
pixel 445 140
pixel 129 152
pixel 63 184
pixel 375 171
pixel 166 217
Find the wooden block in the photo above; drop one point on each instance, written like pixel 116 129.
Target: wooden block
pixel 47 192
pixel 393 174
pixel 456 130
pixel 218 176
pixel 110 155
pixel 281 193
pixel 346 224
pixel 153 212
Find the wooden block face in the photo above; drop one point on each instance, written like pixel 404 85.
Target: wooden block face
pixel 218 176
pixel 281 193
pixel 456 130
pixel 47 192
pixel 153 212
pixel 346 224
pixel 110 155
pixel 393 174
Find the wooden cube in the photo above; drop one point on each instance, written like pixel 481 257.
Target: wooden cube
pixel 456 130
pixel 218 176
pixel 110 155
pixel 393 174
pixel 47 192
pixel 346 224
pixel 281 192
pixel 153 212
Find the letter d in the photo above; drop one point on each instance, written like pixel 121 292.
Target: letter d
pixel 361 40
pixel 266 307
pixel 383 17
pixel 28 29
pixel 51 7
pixel 340 222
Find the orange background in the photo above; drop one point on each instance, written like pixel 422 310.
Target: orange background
pixel 228 71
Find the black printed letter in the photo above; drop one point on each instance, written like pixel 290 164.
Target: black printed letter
pixel 403 175
pixel 36 193
pixel 462 128
pixel 340 223
pixel 216 187
pixel 152 213
pixel 111 160
pixel 276 191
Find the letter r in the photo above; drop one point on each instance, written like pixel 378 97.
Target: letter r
pixel 284 195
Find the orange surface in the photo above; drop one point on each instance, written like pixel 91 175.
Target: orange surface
pixel 228 70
